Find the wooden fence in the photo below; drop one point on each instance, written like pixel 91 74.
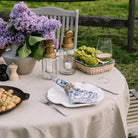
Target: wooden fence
pixel 100 21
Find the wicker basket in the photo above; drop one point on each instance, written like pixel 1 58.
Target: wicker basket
pixel 94 69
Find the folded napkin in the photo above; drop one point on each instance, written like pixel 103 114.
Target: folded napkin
pixel 76 94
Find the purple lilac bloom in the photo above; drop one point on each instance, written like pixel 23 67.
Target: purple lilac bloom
pixel 7 37
pixel 3 34
pixel 3 42
pixel 25 23
pixel 45 25
pixel 23 19
pixel 47 28
pixel 15 37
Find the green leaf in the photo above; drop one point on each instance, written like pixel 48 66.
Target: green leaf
pixel 38 51
pixel 24 51
pixel 35 39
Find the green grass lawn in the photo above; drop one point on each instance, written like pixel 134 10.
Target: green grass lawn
pixel 126 62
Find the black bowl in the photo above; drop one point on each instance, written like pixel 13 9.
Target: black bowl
pixel 17 92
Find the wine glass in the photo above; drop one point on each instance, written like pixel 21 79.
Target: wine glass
pixel 104 54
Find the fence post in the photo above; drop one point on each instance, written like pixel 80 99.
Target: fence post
pixel 131 18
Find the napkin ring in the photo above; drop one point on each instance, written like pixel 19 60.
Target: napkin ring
pixel 68 86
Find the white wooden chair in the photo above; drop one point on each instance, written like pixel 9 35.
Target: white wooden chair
pixel 68 19
pixel 132 118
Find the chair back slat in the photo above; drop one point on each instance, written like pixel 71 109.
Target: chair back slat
pixel 76 28
pixel 67 23
pixel 71 23
pixel 58 31
pixel 62 31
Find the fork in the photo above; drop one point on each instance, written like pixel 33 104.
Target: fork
pixel 46 101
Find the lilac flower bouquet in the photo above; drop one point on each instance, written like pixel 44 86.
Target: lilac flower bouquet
pixel 28 31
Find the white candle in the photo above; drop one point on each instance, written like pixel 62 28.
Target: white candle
pixel 70 52
pixel 49 66
pixel 68 65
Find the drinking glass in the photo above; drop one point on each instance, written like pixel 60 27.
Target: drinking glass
pixel 104 54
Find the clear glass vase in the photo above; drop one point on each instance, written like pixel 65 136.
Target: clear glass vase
pixel 49 68
pixel 66 64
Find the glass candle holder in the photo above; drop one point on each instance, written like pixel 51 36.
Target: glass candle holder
pixel 66 64
pixel 49 68
pixel 49 62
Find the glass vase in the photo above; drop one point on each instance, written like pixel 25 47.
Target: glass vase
pixel 66 64
pixel 49 68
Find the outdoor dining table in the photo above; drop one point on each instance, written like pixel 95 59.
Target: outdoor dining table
pixel 33 119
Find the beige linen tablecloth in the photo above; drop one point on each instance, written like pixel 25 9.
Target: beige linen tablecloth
pixel 32 119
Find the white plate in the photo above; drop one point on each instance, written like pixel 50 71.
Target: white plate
pixel 57 95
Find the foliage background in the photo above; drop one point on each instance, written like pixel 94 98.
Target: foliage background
pixel 126 62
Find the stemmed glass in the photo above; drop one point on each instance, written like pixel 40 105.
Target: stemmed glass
pixel 104 54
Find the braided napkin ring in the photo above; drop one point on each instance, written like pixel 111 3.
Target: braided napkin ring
pixel 68 86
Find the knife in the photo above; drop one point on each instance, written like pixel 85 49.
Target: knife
pixel 110 91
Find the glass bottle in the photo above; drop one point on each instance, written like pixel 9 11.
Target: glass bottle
pixel 66 64
pixel 49 62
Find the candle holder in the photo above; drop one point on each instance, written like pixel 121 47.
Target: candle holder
pixel 49 62
pixel 66 64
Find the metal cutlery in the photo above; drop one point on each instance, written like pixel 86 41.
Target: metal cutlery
pixel 110 91
pixel 107 90
pixel 46 101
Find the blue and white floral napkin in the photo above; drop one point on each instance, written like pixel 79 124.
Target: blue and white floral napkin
pixel 78 95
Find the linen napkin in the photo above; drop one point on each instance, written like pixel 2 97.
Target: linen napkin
pixel 76 94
